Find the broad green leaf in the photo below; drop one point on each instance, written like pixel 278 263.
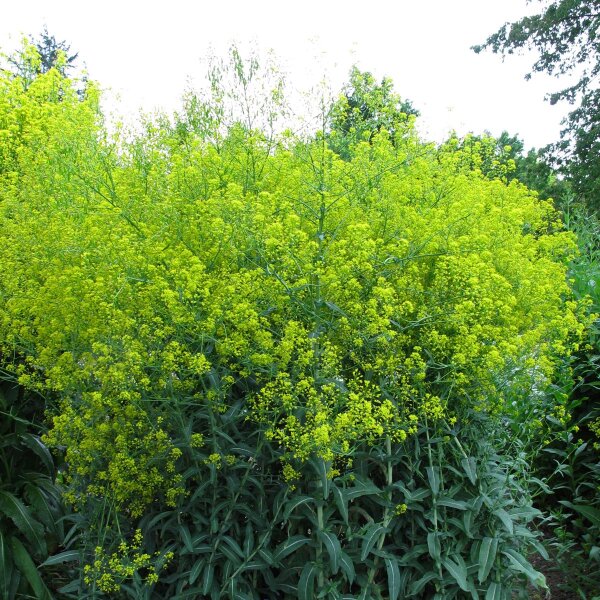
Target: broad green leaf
pixel 266 556
pixel 34 443
pixel 433 475
pixel 506 519
pixel 468 522
pixel 418 585
pixel 361 487
pixel 248 540
pixel 6 566
pixel 207 578
pixel 451 503
pixel 44 511
pixel 434 545
pixel 186 537
pixel 470 468
pixel 26 566
pixel 541 549
pixel 63 557
pixel 525 512
pixel 370 538
pixel 522 565
pixel 189 594
pixel 495 591
pixel 21 516
pixel 589 512
pixel 306 582
pixel 195 571
pixel 322 468
pixel 458 572
pixel 288 546
pixel 231 555
pixel 334 549
pixel 347 567
pixel 393 575
pixel 487 556
pixel 227 539
pixel 294 503
pixel 341 502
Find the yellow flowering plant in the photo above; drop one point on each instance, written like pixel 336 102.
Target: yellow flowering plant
pixel 254 345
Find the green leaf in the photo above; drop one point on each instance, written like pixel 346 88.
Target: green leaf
pixel 470 468
pixel 418 585
pixel 521 564
pixel 293 504
pixel 451 503
pixel 458 572
pixel 334 549
pixel 28 569
pixel 341 502
pixel 433 475
pixel 187 538
pixel 63 557
pixel 487 556
pixel 434 545
pixel 207 578
pixel 248 540
pixel 6 566
pixel 506 519
pixel 495 591
pixel 322 468
pixel 541 549
pixel 33 531
pixel 44 510
pixel 347 567
pixel 370 538
pixel 266 556
pixel 233 545
pixel 524 512
pixel 288 546
pixel 35 444
pixel 393 575
pixel 361 487
pixel 589 512
pixel 306 582
pixel 195 571
pixel 231 555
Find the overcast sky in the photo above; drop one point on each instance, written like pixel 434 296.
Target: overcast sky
pixel 148 51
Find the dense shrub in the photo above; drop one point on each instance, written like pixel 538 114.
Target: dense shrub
pixel 279 373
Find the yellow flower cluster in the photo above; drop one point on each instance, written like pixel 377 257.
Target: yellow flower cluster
pixel 108 571
pixel 345 300
pixel 111 444
pixel 594 427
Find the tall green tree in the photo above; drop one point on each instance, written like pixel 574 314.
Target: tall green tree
pixel 38 55
pixel 565 36
pixel 364 108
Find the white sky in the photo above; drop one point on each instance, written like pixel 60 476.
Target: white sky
pixel 147 51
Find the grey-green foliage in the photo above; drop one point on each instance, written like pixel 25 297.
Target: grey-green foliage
pixel 432 517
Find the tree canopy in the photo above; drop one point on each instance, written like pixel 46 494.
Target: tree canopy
pixel 564 34
pixel 39 55
pixel 364 108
